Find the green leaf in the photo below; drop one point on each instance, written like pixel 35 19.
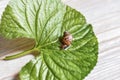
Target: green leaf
pixel 45 21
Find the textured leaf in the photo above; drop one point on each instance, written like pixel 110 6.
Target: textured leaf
pixel 45 21
pixel 71 64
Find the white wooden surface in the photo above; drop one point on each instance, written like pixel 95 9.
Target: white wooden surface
pixel 104 15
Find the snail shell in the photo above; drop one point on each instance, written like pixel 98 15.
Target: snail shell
pixel 66 40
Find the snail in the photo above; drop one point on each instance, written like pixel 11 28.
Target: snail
pixel 66 40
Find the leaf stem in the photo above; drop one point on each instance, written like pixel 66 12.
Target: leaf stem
pixel 20 54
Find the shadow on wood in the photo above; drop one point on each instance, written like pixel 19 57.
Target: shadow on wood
pixel 8 47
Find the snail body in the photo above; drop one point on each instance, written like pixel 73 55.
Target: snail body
pixel 66 40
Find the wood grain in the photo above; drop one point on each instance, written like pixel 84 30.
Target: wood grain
pixel 105 18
